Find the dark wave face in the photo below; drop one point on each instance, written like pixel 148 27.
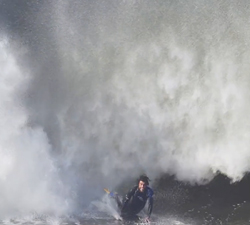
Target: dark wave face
pixel 95 93
pixel 219 202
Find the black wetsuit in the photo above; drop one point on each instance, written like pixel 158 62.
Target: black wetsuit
pixel 135 201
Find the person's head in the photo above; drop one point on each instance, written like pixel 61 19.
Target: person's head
pixel 143 182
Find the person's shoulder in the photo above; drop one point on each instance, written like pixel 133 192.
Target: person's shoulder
pixel 150 192
pixel 133 189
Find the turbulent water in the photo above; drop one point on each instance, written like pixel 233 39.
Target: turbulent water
pixel 95 93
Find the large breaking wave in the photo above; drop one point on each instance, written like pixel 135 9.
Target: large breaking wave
pixel 115 89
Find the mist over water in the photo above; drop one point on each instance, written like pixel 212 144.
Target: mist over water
pixel 94 93
pixel 27 171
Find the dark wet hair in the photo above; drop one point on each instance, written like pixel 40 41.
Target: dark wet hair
pixel 144 178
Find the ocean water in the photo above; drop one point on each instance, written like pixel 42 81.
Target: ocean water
pixel 95 93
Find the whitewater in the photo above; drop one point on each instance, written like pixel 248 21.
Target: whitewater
pixel 95 93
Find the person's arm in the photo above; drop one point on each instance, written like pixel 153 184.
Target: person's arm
pixel 128 197
pixel 150 206
pixel 150 194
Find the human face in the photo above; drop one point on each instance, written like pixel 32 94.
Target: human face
pixel 141 186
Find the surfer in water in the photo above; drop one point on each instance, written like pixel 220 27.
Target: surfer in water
pixel 135 200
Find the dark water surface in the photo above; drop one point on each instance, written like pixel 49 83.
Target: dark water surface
pixel 176 203
pixel 219 202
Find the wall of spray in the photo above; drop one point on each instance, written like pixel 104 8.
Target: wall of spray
pixel 94 93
